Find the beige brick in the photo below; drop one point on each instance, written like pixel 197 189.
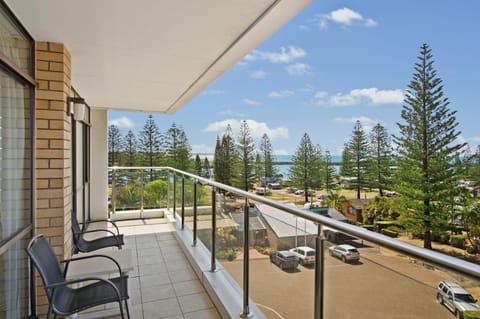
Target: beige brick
pixel 50 56
pixel 51 134
pixel 51 231
pixel 42 222
pixel 42 163
pixel 41 46
pixel 41 124
pixel 49 193
pixel 51 95
pixel 42 183
pixel 59 105
pixel 56 222
pixel 51 115
pixel 41 104
pixel 59 144
pixel 56 47
pixel 56 67
pixel 42 65
pixel 42 144
pixel 57 86
pixel 49 173
pixel 56 183
pixel 56 240
pixel 57 203
pixel 43 203
pixel 58 124
pixel 57 163
pixel 49 212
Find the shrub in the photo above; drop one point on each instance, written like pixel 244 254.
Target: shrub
pixel 369 227
pixel 471 315
pixel 441 237
pixel 458 241
pixel 389 232
pixel 472 250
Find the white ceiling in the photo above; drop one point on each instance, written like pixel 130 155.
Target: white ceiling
pixel 152 55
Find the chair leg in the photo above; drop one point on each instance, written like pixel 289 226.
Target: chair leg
pixel 121 309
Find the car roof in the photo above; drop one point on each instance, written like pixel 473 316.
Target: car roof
pixel 304 248
pixel 456 288
pixel 346 246
pixel 286 253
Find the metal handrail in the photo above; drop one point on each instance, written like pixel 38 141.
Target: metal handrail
pixel 449 262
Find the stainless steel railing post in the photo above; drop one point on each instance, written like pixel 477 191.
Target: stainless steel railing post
pixel 183 202
pixel 319 273
pixel 142 192
pixel 114 198
pixel 214 230
pixel 194 212
pixel 174 196
pixel 246 269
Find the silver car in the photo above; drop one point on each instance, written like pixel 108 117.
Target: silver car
pixel 455 298
pixel 345 252
pixel 305 254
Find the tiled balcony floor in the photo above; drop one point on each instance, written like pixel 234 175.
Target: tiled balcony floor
pixel 162 284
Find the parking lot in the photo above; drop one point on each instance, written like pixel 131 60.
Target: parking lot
pixel 359 290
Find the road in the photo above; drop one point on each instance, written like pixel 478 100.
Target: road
pixel 363 290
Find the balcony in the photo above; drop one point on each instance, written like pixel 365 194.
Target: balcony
pixel 198 249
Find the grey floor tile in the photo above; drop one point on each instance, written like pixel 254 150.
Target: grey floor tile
pixel 195 302
pixel 188 287
pixel 161 309
pixel 154 280
pixel 146 270
pixel 182 275
pixel 158 293
pixel 202 314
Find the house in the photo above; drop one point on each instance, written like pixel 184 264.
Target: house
pixel 353 208
pixel 63 65
pixel 257 230
pixel 284 230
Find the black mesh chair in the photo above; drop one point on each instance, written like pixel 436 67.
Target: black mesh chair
pixel 81 244
pixel 65 300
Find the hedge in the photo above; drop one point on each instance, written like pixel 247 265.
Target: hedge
pixel 389 232
pixel 471 315
pixel 458 241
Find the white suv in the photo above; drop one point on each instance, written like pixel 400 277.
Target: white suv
pixel 455 298
pixel 306 255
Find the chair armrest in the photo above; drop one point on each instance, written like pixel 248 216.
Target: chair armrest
pixel 68 261
pixel 74 281
pixel 107 221
pixel 99 230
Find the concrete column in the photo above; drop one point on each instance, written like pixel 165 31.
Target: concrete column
pixel 99 161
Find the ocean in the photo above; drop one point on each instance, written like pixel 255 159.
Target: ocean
pixel 283 169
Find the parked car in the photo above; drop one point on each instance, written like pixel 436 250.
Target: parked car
pixel 263 191
pixel 305 254
pixel 284 259
pixel 291 189
pixel 345 252
pixel 299 192
pixel 455 298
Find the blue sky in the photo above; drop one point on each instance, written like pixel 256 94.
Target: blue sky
pixel 334 63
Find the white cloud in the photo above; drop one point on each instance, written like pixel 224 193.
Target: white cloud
pixel 257 129
pixel 231 113
pixel 281 152
pixel 202 149
pixel 345 17
pixel 371 96
pixel 380 96
pixel 303 27
pixel 258 74
pixel 286 55
pixel 297 69
pixel 280 94
pixel 213 92
pixel 251 102
pixel 122 123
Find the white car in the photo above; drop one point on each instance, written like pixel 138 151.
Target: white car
pixel 305 254
pixel 456 298
pixel 345 252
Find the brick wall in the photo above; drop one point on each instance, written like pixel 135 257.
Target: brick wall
pixel 53 151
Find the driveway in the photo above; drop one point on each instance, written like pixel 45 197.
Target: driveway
pixel 361 290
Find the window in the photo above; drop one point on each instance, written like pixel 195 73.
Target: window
pixel 16 163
